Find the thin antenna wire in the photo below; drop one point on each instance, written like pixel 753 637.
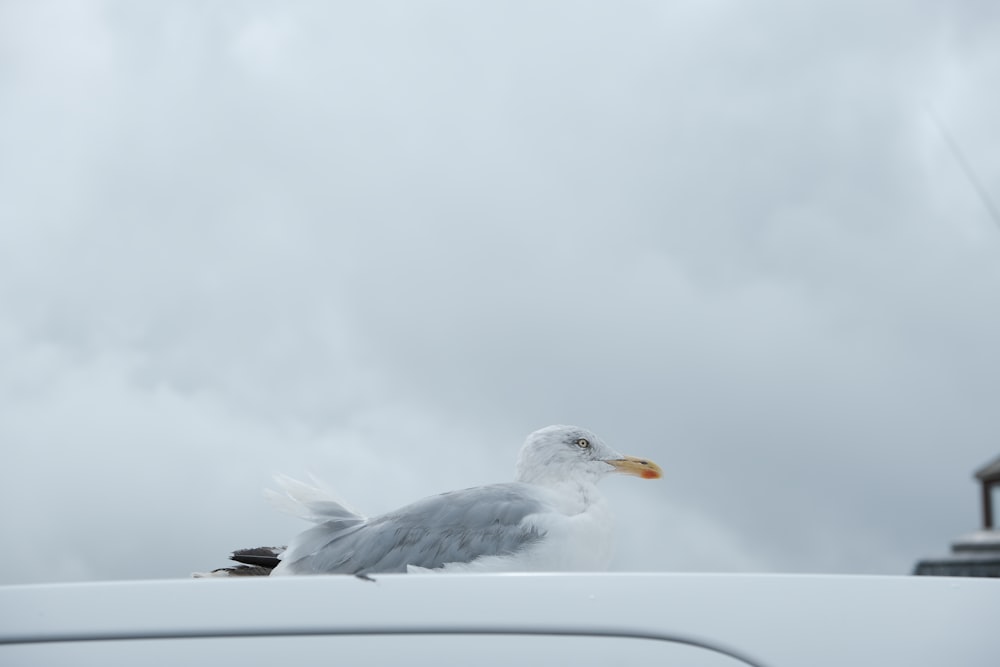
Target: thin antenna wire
pixel 966 167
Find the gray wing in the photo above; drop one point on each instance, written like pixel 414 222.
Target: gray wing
pixel 455 527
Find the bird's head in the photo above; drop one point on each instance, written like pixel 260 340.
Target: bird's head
pixel 558 453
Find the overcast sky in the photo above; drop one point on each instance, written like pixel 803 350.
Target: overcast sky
pixel 381 242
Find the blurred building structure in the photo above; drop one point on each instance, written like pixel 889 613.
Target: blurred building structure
pixel 975 554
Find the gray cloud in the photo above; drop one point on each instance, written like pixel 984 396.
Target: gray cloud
pixel 384 243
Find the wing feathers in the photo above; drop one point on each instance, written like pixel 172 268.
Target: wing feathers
pixel 456 527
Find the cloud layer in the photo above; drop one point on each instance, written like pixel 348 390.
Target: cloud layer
pixel 383 243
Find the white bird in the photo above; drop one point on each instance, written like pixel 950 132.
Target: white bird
pixel 551 518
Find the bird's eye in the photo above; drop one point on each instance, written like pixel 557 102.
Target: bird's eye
pixel 583 443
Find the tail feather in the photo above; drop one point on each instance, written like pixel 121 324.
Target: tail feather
pixel 311 503
pixel 266 557
pixel 255 562
pixel 235 571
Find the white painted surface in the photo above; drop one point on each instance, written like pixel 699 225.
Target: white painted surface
pixel 775 620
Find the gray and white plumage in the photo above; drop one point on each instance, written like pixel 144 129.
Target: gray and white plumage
pixel 551 518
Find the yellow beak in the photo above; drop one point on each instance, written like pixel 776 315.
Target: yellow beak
pixel 631 465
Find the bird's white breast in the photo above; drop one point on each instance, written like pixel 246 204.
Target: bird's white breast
pixel 580 541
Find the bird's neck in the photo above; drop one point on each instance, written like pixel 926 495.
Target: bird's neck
pixel 557 476
pixel 574 495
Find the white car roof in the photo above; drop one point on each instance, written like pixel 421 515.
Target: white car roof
pixel 767 620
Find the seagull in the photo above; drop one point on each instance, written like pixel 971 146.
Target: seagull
pixel 550 518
